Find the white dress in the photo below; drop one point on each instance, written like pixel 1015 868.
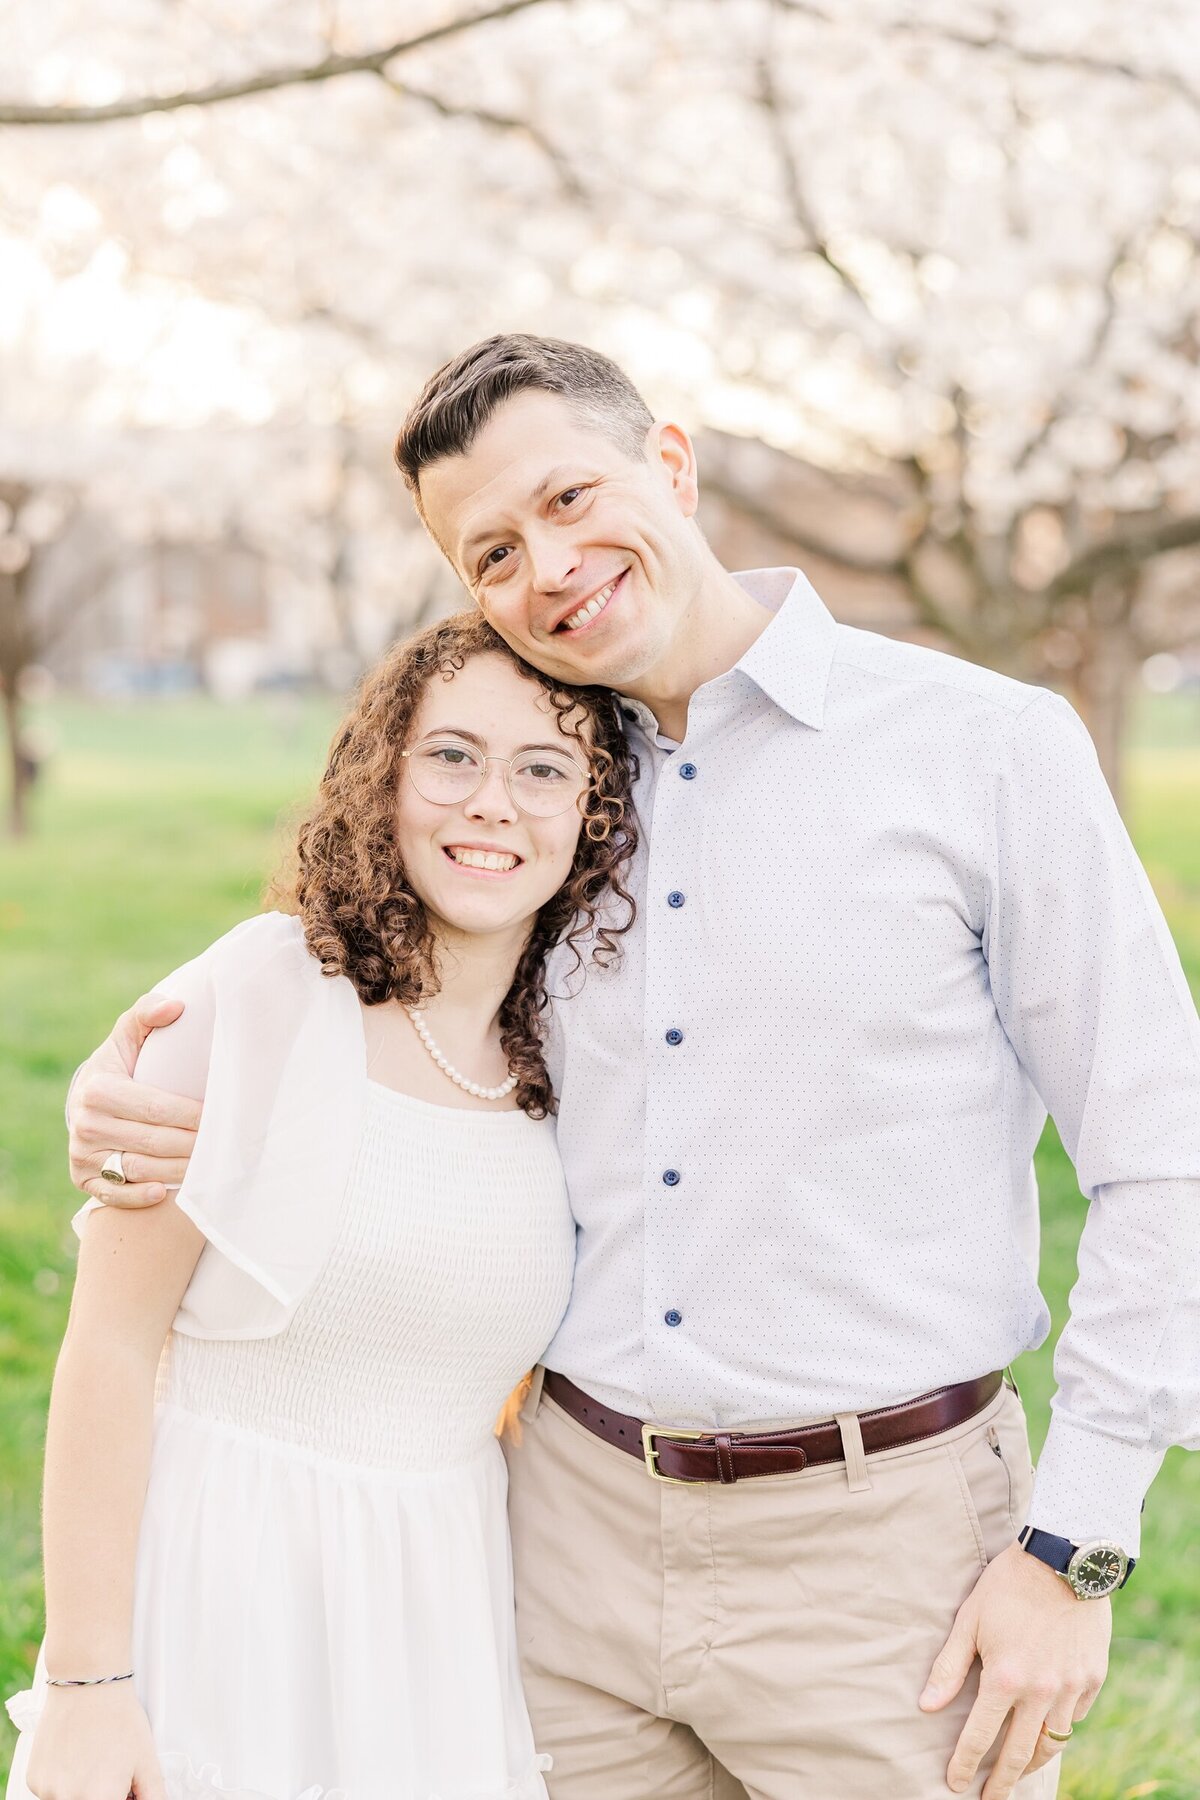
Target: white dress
pixel 323 1599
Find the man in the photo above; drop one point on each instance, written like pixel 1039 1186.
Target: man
pixel 767 1510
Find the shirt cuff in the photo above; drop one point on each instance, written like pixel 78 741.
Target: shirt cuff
pixel 1089 1485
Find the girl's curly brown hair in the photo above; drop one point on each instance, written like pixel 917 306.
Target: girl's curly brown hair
pixel 347 881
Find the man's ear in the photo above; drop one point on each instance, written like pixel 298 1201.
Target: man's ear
pixel 669 447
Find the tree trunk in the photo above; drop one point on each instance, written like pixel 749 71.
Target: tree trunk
pixel 1105 714
pixel 1103 683
pixel 18 817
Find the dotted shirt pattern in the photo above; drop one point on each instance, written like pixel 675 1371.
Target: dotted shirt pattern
pixel 888 915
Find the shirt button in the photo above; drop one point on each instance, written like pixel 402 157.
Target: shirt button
pixel 688 771
pixel 671 1177
pixel 674 1036
pixel 673 1317
pixel 675 898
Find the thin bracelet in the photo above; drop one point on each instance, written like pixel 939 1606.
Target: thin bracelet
pixel 88 1681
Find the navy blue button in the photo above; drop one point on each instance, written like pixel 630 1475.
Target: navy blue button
pixel 671 1177
pixel 675 898
pixel 688 771
pixel 674 1036
pixel 673 1317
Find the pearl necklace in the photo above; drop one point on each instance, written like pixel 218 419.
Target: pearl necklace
pixel 470 1087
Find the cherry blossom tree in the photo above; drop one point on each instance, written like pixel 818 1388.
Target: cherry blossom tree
pixel 946 257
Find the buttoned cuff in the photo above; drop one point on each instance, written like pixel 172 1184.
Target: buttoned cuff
pixel 1089 1485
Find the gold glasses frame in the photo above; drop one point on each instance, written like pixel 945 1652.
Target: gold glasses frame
pixel 508 761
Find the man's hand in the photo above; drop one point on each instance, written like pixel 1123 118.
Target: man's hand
pixel 109 1111
pixel 1044 1656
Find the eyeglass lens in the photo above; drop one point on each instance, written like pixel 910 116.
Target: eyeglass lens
pixel 543 782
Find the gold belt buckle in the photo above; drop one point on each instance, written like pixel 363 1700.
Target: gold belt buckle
pixel 650 1450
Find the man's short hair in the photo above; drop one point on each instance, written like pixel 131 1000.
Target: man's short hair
pixel 458 401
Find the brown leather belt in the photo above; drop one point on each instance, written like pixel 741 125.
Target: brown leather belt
pixel 726 1456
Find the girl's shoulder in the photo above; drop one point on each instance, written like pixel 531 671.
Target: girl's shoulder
pixel 268 947
pixel 268 934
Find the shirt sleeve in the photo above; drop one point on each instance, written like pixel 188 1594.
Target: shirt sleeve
pixel 1090 990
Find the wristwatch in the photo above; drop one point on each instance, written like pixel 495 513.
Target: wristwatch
pixel 1090 1570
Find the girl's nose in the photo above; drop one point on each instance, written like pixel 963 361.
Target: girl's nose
pixel 491 799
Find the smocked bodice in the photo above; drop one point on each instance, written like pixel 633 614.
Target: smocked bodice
pixel 449 1272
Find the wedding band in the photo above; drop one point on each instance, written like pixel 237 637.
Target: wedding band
pixel 1059 1737
pixel 113 1169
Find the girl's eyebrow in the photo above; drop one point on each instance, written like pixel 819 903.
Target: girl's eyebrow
pixel 456 731
pixel 472 737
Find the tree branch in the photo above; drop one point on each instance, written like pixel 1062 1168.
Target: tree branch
pixel 962 546
pixel 1085 363
pixel 930 612
pixel 1081 60
pixel 1124 552
pixel 773 110
pixel 902 568
pixel 784 529
pixel 371 62
pixel 448 109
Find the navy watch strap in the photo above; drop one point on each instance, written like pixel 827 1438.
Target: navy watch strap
pixel 1056 1552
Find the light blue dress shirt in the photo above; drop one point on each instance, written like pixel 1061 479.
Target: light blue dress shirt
pixel 887 916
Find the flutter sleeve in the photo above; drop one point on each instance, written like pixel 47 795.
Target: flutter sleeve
pixel 274 1048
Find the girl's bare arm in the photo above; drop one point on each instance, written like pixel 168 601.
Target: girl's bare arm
pixel 133 1270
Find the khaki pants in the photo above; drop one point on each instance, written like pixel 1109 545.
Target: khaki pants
pixel 763 1641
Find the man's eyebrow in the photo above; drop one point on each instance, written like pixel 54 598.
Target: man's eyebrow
pixel 536 495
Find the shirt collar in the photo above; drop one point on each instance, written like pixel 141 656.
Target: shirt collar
pixel 790 660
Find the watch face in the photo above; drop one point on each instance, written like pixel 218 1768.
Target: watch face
pixel 1097 1569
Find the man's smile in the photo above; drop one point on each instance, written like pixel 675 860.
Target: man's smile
pixel 591 609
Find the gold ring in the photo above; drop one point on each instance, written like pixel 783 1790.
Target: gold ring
pixel 1059 1737
pixel 113 1169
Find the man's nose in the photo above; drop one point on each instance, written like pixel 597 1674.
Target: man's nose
pixel 552 561
pixel 491 799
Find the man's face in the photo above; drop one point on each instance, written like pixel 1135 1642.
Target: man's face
pixel 583 558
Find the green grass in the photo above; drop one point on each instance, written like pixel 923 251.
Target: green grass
pixel 154 831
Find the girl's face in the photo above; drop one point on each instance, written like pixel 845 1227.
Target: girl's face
pixel 482 865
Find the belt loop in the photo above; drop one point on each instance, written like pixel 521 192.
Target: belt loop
pixel 1010 1380
pixel 857 1479
pixel 533 1398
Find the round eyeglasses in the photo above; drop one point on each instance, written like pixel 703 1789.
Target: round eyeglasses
pixel 542 782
